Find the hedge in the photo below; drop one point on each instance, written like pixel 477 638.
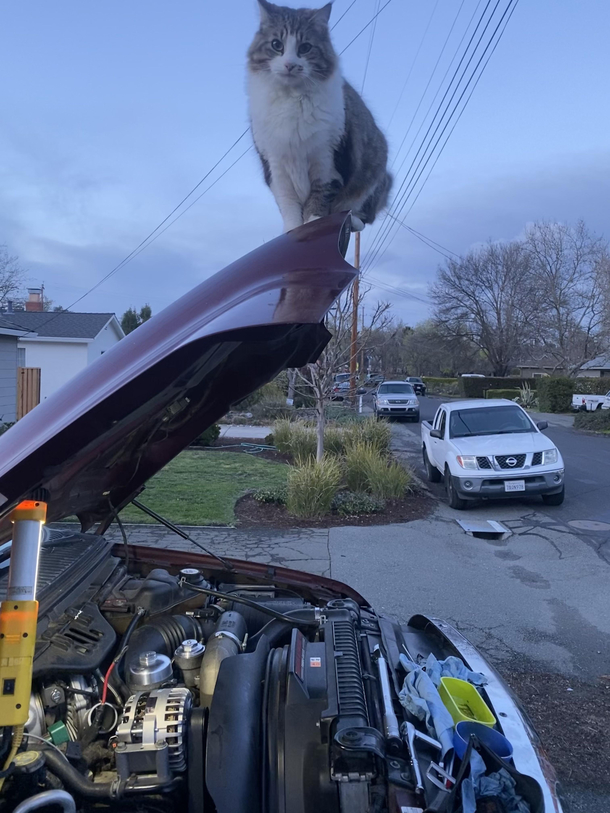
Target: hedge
pixel 475 387
pixel 598 421
pixel 442 386
pixel 511 394
pixel 592 386
pixel 555 393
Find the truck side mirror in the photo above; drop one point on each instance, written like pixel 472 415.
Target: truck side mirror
pixel 542 425
pixel 436 433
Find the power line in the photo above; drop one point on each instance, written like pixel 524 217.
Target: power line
pixel 422 237
pixel 393 289
pixel 362 30
pixel 417 171
pixel 386 225
pixel 368 56
pixel 421 42
pixel 353 3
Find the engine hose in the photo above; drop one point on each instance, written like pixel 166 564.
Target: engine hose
pixel 276 629
pixel 57 798
pixel 82 786
pixel 78 783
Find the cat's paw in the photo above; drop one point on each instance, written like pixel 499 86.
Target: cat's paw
pixel 357 224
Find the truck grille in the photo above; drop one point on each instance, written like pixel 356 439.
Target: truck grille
pixel 502 461
pixel 483 463
pixel 537 459
pixel 398 402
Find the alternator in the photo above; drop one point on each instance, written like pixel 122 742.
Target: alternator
pixel 153 727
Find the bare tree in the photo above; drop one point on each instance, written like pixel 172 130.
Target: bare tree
pixel 570 271
pixel 486 297
pixel 319 377
pixel 11 277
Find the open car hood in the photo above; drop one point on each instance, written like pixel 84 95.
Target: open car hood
pixel 94 443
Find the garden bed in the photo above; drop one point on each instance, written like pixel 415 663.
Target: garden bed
pixel 251 513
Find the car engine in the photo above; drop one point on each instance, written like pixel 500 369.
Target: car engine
pixel 167 688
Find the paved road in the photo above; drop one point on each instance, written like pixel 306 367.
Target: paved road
pixel 587 459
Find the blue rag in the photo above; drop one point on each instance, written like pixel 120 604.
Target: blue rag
pixel 420 697
pixel 452 667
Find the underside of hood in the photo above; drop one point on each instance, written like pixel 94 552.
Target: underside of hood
pixel 94 443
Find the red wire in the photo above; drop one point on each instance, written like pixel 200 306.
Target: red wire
pixel 106 679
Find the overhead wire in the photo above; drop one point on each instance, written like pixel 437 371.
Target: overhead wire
pixel 385 237
pixel 386 225
pixel 362 30
pixel 371 41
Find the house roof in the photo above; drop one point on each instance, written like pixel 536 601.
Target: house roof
pixel 61 325
pixel 599 363
pixel 9 329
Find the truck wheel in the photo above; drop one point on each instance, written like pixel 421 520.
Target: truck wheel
pixel 452 498
pixel 432 473
pixel 554 499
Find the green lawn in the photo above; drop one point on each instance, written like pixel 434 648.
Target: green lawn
pixel 202 487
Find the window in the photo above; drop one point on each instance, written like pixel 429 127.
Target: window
pixel 441 420
pixel 498 420
pixel 396 389
pixel 21 357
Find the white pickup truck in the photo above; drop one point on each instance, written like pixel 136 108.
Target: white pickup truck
pixel 590 403
pixel 490 449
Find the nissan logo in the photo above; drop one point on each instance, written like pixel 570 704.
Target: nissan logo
pixel 511 461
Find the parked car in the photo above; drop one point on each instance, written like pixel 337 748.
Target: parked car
pixel 340 390
pixel 340 378
pixel 472 375
pixel 491 449
pixel 181 680
pixel 374 378
pixel 417 384
pixel 590 403
pixel 395 399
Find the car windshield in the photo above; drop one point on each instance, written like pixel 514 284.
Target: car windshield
pixel 341 377
pixel 500 420
pixel 415 380
pixel 395 389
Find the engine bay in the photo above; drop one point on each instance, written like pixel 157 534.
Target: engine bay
pixel 158 688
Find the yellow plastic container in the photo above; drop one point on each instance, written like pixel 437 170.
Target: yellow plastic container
pixel 463 702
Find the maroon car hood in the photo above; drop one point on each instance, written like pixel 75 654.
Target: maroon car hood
pixel 94 443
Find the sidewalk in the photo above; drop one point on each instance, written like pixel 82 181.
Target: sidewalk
pixel 554 419
pixel 245 432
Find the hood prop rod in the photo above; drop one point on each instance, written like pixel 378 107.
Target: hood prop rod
pixel 170 525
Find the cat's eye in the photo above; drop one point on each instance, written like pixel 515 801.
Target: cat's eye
pixel 304 48
pixel 278 46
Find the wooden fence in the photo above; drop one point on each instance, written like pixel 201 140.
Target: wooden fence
pixel 28 390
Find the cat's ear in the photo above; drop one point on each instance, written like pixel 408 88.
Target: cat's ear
pixel 266 9
pixel 323 13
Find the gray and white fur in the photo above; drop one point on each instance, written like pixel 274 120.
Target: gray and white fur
pixel 320 147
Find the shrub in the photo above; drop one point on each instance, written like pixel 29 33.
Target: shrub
pixel 510 394
pixel 4 427
pixel 350 504
pixel 378 434
pixel 282 434
pixel 358 457
pixel 527 397
pixel 312 487
pixel 388 480
pixel 592 386
pixel 334 443
pixel 441 386
pixel 209 437
pixel 475 387
pixel 598 421
pixel 276 496
pixel 555 394
pixel 303 443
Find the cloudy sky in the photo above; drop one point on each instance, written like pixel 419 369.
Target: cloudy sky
pixel 110 112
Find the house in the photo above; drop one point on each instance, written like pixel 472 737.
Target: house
pixel 62 343
pixel 9 337
pixel 596 368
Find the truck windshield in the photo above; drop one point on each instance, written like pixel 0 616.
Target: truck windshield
pixel 396 389
pixel 500 420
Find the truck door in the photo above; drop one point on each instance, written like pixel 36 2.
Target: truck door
pixel 437 447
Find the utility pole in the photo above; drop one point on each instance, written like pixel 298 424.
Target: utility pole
pixel 355 297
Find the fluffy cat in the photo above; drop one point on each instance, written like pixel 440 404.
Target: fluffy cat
pixel 319 145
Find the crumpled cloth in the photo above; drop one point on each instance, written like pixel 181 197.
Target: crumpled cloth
pixel 419 693
pixel 452 667
pixel 500 784
pixel 420 697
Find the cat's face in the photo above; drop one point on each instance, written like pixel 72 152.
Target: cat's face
pixel 293 45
